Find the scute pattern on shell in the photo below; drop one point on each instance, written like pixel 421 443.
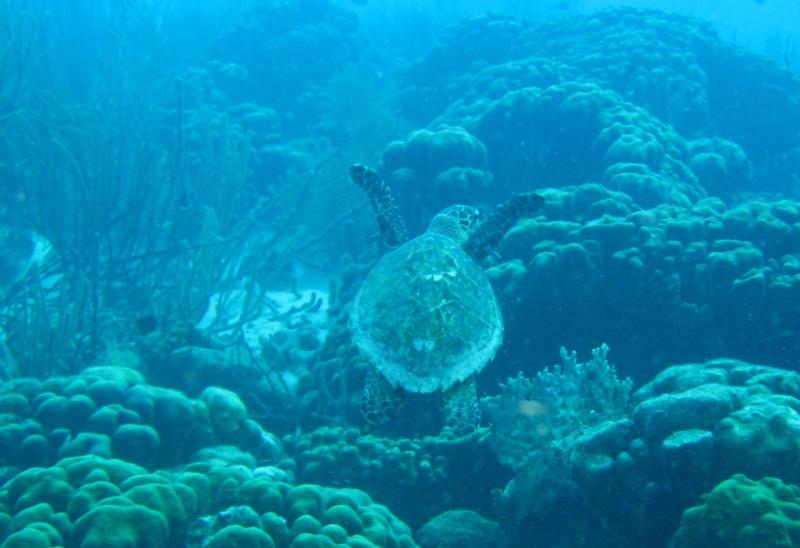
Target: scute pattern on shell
pixel 426 316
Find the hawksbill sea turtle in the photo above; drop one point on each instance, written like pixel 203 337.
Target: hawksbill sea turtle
pixel 426 318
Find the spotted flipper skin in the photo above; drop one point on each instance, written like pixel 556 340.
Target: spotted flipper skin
pixel 461 409
pixel 491 230
pixel 379 401
pixel 390 223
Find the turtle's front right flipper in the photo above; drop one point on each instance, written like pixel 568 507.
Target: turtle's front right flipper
pixel 487 235
pixel 392 227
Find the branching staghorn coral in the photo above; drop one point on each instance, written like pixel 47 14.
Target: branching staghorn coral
pixel 535 424
pixel 555 405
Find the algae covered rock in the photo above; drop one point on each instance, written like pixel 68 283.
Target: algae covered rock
pixel 456 528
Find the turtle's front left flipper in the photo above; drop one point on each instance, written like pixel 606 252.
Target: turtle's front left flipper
pixel 390 223
pixel 487 235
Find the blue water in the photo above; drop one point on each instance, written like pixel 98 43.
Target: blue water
pixel 219 325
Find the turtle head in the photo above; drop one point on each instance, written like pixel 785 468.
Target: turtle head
pixel 456 222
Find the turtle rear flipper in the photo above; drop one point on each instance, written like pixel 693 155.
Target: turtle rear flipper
pixel 380 402
pixel 487 235
pixel 390 223
pixel 461 409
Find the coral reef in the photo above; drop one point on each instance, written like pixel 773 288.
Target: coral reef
pixel 110 412
pixel 575 131
pixel 431 170
pixel 674 66
pixel 171 373
pixel 296 515
pixel 535 426
pixel 627 473
pixel 436 472
pixel 662 285
pixel 432 82
pixel 325 33
pixel 741 512
pixel 529 414
pixel 94 501
pixel 692 426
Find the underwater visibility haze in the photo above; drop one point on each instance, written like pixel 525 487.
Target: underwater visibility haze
pixel 317 273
